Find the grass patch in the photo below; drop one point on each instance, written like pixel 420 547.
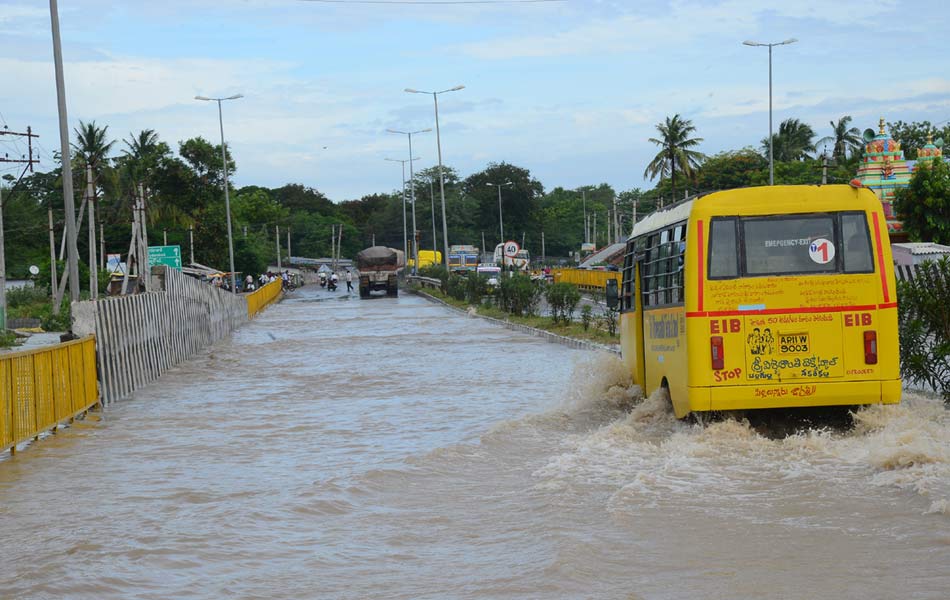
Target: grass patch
pixel 8 339
pixel 573 329
pixel 35 303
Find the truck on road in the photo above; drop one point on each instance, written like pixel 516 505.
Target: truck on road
pixel 379 269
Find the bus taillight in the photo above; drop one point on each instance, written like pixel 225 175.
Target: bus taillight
pixel 715 343
pixel 870 347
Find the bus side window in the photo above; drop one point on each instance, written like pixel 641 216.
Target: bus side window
pixel 857 243
pixel 626 295
pixel 723 249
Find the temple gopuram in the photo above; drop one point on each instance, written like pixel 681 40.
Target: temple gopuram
pixel 884 170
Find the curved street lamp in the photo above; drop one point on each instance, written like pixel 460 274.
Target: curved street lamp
pixel 227 199
pixel 412 195
pixel 769 45
pixel 445 227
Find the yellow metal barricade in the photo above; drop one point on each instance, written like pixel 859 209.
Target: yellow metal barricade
pixel 589 280
pixel 259 299
pixel 42 388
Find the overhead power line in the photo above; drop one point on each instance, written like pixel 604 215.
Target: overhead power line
pixel 434 1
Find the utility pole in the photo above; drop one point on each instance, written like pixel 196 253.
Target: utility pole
pixel 102 244
pixel 586 222
pixel 144 266
pixel 339 244
pixel 277 238
pixel 52 260
pixel 164 237
pixel 3 270
pixel 91 227
pixel 191 243
pixel 289 255
pixel 134 248
pixel 618 236
pixel 435 246
pixel 542 247
pixel 73 252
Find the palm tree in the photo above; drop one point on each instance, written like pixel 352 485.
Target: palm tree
pixel 792 142
pixel 676 154
pixel 92 151
pixel 91 143
pixel 844 139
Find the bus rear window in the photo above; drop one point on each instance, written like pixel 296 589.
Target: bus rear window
pixel 775 245
pixel 789 244
pixel 723 252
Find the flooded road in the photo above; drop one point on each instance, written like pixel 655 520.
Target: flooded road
pixel 390 448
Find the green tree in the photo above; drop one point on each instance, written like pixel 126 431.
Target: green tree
pixel 258 210
pixel 925 326
pixel 676 154
pixel 732 169
pixel 844 140
pixel 792 142
pixel 520 202
pixel 924 206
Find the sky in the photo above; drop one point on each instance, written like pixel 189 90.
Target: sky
pixel 570 90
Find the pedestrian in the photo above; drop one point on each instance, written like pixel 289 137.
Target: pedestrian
pixel 248 283
pixel 349 280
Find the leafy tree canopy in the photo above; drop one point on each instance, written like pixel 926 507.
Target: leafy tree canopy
pixel 924 206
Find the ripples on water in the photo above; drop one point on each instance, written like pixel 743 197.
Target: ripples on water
pixel 339 448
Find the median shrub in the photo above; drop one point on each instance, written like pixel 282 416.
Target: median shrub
pixel 476 288
pixel 587 316
pixel 924 321
pixel 519 295
pixel 455 287
pixel 436 272
pixel 563 299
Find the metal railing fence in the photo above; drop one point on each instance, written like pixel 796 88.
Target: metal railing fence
pixel 43 388
pixel 260 298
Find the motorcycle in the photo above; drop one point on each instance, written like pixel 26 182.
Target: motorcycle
pixel 331 285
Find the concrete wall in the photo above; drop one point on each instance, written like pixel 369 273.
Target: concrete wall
pixel 139 337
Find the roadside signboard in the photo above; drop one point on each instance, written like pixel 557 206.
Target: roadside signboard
pixel 511 249
pixel 170 256
pixel 114 263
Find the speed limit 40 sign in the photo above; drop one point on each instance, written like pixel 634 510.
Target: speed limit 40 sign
pixel 511 249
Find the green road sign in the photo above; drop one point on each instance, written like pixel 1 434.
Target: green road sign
pixel 170 256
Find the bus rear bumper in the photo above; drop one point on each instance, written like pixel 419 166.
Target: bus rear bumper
pixel 825 393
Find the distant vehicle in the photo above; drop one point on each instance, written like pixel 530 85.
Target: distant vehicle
pixel 491 273
pixel 462 258
pixel 762 297
pixel 379 269
pixel 520 261
pixel 427 258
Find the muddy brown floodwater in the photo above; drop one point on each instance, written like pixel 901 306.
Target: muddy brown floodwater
pixel 339 448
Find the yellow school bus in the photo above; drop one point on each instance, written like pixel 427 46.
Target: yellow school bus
pixel 764 297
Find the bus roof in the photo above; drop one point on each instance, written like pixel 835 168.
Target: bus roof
pixel 761 200
pixel 659 219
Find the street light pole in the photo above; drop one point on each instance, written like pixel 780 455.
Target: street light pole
pixel 438 142
pixel 412 196
pixel 769 45
pixel 405 243
pixel 501 223
pixel 227 197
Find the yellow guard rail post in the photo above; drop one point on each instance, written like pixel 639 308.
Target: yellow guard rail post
pixel 43 388
pixel 260 298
